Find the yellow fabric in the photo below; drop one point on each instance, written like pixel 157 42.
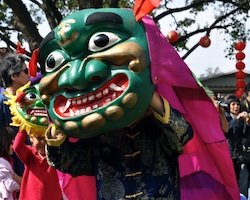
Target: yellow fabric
pixel 164 119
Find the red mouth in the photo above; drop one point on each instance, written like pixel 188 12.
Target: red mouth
pixel 37 112
pixel 103 96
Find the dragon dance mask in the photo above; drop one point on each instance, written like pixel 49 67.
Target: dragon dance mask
pixel 28 110
pixel 96 72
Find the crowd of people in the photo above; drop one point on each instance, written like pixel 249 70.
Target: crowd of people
pixel 236 111
pixel 111 159
pixel 235 123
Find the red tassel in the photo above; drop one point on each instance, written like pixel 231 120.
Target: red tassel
pixel 144 7
pixel 20 96
pixel 33 63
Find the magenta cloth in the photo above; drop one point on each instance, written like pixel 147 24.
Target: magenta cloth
pixel 208 151
pixel 77 188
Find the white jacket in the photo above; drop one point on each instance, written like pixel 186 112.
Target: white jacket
pixel 7 184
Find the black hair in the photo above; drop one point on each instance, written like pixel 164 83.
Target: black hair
pixel 247 88
pixel 11 64
pixel 230 99
pixel 7 135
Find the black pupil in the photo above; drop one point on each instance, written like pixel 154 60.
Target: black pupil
pixel 101 40
pixel 51 62
pixel 32 95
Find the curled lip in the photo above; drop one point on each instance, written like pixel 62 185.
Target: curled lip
pixel 38 112
pixel 104 95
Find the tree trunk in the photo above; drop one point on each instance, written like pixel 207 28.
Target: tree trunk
pixel 24 23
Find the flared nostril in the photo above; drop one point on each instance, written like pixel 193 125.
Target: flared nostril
pixel 66 89
pixel 95 78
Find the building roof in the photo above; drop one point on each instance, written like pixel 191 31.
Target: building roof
pixel 223 82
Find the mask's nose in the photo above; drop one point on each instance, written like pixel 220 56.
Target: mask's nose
pixel 81 74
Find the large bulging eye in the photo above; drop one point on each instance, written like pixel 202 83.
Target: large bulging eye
pixel 53 61
pixel 31 96
pixel 102 40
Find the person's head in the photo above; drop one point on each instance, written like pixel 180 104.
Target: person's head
pixel 247 89
pixel 38 142
pixel 6 141
pixel 13 71
pixel 3 52
pixel 233 104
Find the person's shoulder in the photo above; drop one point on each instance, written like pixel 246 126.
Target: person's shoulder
pixel 2 96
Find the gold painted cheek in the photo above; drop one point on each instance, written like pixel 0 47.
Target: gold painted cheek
pixel 130 99
pixel 114 112
pixel 93 122
pixel 44 120
pixel 33 119
pixel 45 99
pixel 136 66
pixel 71 126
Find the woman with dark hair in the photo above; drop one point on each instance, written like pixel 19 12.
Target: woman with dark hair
pixel 9 181
pixel 238 127
pixel 13 75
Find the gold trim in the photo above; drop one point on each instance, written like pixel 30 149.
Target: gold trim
pixel 165 118
pixel 133 136
pixel 132 154
pixel 133 195
pixel 133 174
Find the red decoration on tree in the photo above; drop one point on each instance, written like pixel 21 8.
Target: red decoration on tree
pixel 240 75
pixel 19 49
pixel 172 36
pixel 205 41
pixel 240 65
pixel 240 55
pixel 239 93
pixel 240 46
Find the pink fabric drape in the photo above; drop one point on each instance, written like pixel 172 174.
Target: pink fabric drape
pixel 208 151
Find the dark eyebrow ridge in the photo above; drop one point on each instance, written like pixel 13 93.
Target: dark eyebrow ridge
pixel 30 87
pixel 99 17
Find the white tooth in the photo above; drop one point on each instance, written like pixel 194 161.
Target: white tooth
pixel 71 113
pixel 95 106
pixel 88 109
pixel 84 100
pixel 92 97
pixel 105 91
pixel 67 105
pixel 114 96
pixel 73 102
pixel 99 95
pixel 79 101
pixel 83 110
pixel 77 112
pixel 108 100
pixel 115 87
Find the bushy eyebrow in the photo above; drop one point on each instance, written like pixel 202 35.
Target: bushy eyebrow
pixel 99 17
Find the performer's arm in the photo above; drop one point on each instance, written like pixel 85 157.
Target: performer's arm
pixel 177 131
pixel 74 158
